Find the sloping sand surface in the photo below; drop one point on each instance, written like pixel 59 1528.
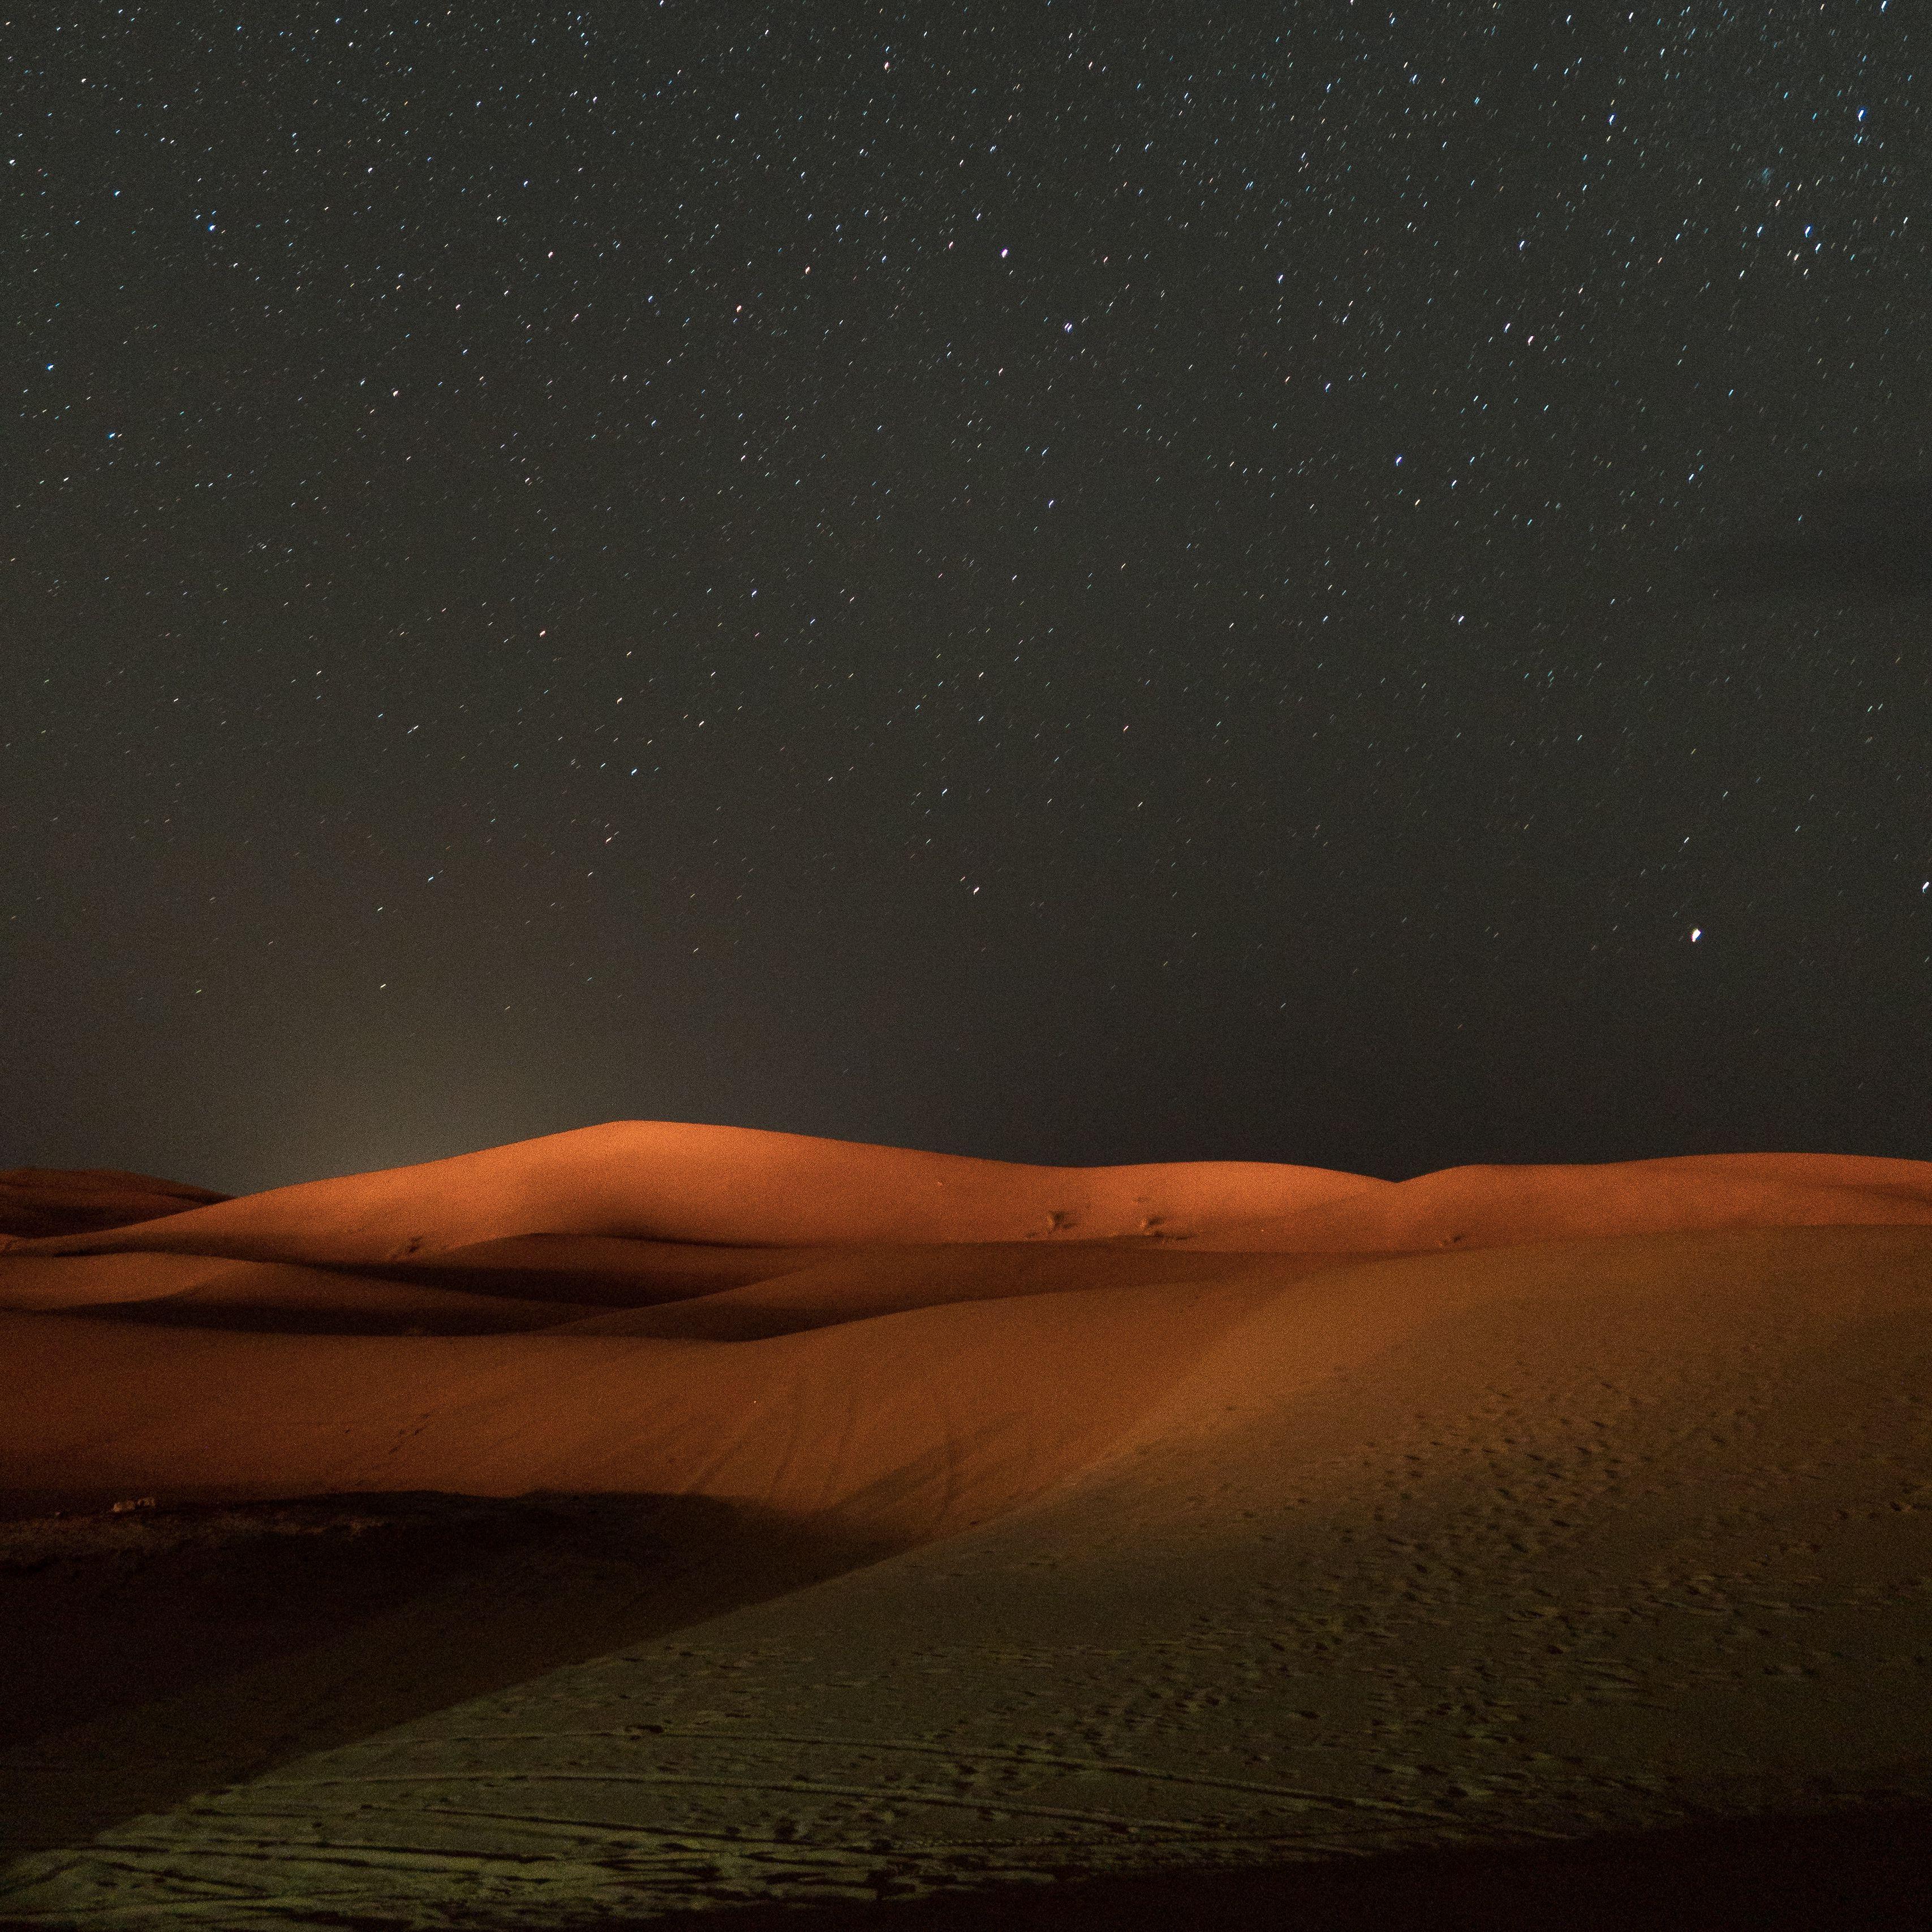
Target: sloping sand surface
pixel 984 1535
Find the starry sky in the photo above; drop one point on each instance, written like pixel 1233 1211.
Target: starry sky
pixel 1338 583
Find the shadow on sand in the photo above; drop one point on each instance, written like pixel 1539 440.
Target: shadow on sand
pixel 155 1652
pixel 1868 1868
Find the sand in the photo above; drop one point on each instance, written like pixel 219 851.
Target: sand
pixel 41 1200
pixel 658 1520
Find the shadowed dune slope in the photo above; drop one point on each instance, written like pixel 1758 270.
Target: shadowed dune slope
pixel 914 1423
pixel 44 1200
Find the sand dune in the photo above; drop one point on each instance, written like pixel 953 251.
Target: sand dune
pixel 41 1201
pixel 672 1182
pixel 1002 1522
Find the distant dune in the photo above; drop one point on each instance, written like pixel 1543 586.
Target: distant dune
pixel 39 1201
pixel 656 1517
pixel 665 1181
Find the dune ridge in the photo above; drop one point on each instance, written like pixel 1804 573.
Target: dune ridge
pixel 678 1182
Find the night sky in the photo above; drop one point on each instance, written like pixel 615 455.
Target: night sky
pixel 1083 582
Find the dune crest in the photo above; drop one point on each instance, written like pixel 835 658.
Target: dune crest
pixel 678 1182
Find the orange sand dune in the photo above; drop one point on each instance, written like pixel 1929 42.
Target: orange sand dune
pixel 41 1201
pixel 1033 1521
pixel 677 1183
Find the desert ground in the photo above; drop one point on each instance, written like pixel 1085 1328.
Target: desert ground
pixel 658 1521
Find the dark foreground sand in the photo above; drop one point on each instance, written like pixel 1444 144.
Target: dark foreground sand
pixel 664 1520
